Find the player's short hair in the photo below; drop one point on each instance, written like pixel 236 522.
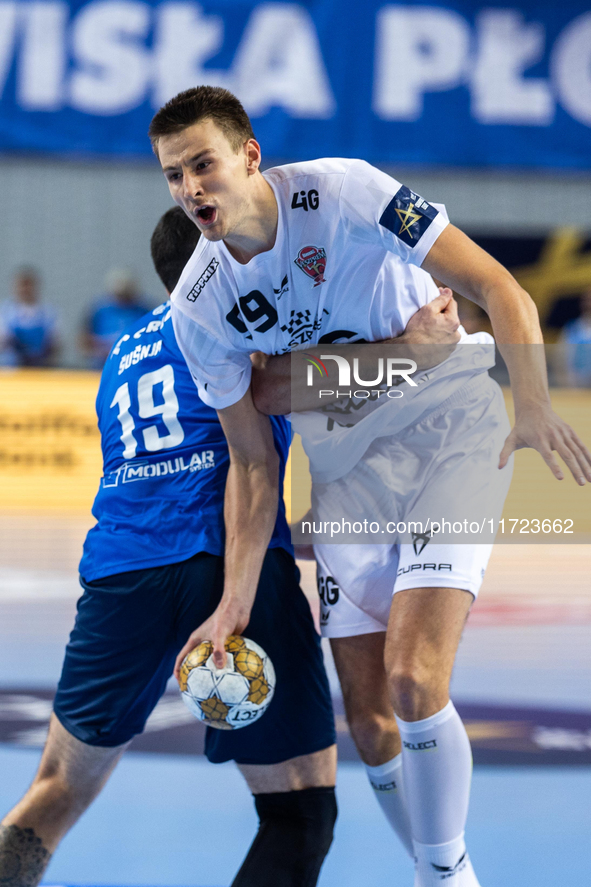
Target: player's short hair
pixel 202 103
pixel 172 244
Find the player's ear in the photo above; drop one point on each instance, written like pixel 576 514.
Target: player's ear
pixel 252 151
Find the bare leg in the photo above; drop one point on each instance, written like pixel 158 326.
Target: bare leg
pixel 70 776
pixel 308 771
pixel 423 635
pixel 360 666
pixel 424 631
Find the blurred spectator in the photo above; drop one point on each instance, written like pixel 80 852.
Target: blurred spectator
pixel 116 310
pixel 576 345
pixel 28 336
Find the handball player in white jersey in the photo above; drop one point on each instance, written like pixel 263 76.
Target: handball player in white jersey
pixel 316 253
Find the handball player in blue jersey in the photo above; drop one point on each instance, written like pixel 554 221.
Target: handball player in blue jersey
pixel 152 570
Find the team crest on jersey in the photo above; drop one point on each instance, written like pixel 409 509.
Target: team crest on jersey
pixel 312 261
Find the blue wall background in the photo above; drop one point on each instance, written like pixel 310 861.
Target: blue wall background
pixel 457 83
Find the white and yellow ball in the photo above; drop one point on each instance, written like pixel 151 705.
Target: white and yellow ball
pixel 231 697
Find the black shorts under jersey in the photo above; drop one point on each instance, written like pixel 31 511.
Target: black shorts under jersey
pixel 130 627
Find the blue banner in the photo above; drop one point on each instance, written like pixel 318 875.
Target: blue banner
pixel 450 84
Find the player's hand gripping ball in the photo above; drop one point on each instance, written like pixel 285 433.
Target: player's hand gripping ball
pixel 231 697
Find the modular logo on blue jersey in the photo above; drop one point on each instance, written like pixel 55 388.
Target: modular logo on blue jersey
pixel 165 459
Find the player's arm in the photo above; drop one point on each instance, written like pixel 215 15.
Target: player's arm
pixel 250 510
pixel 435 324
pixel 472 272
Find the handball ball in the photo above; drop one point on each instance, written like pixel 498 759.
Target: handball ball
pixel 231 697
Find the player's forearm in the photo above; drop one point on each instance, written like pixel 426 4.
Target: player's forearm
pixel 516 327
pixel 271 386
pixel 281 387
pixel 407 346
pixel 425 354
pixel 250 510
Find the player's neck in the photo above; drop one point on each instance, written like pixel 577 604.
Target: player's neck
pixel 257 231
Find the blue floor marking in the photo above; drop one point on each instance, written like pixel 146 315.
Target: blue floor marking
pixel 180 822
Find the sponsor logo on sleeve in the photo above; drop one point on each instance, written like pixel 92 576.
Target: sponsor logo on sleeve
pixel 312 261
pixel 197 288
pixel 408 216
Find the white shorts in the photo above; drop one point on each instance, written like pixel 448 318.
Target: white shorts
pixel 407 477
pixel 356 583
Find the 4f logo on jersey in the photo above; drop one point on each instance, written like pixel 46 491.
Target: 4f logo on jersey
pixel 301 200
pixel 284 288
pixel 312 261
pixel 408 216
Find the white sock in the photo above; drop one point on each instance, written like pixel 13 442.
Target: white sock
pixel 447 865
pixel 437 762
pixel 386 781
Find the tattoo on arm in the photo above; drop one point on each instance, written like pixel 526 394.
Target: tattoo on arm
pixel 23 858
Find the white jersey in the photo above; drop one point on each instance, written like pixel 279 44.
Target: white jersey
pixel 345 267
pixel 333 275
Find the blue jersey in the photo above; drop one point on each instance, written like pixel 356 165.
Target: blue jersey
pixel 109 320
pixel 29 331
pixel 165 459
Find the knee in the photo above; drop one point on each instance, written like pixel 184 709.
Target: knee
pixel 318 825
pixel 62 796
pixel 416 692
pixel 370 732
pixel 294 836
pixel 302 820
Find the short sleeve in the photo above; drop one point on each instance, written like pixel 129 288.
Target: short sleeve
pixel 375 208
pixel 221 373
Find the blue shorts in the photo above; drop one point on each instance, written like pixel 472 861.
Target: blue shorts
pixel 130 628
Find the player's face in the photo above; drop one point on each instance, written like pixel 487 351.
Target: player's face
pixel 208 178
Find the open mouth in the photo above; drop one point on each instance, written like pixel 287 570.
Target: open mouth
pixel 207 214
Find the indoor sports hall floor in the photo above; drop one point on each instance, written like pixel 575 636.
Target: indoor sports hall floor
pixel 167 817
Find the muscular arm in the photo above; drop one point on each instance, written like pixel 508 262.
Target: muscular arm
pixel 250 510
pixel 469 270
